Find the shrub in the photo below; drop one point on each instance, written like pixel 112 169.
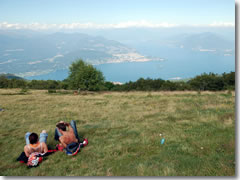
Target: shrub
pixel 52 91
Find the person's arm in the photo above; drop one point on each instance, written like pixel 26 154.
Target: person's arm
pixel 26 151
pixel 67 124
pixel 61 131
pixel 62 142
pixel 70 128
pixel 45 148
pixel 60 122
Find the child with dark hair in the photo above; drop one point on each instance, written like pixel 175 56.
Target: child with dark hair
pixel 33 144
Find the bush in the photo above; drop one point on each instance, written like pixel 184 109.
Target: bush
pixel 23 91
pixel 52 91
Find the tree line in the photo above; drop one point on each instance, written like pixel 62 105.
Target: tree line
pixel 84 77
pixel 204 82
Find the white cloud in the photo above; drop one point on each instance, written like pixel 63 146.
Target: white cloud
pixel 142 23
pixel 90 25
pixel 207 50
pixel 222 24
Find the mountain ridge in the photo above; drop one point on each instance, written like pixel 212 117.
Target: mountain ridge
pixel 35 55
pixel 183 55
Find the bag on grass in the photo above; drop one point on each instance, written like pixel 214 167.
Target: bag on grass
pixel 73 148
pixel 34 159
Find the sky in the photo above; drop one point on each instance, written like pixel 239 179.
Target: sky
pixel 115 13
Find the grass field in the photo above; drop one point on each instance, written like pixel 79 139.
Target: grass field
pixel 124 130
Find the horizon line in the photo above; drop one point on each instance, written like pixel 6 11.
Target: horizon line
pixel 121 25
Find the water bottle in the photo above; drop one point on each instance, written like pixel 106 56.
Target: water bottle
pixel 162 141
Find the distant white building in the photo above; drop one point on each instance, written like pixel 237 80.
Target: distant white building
pixel 117 83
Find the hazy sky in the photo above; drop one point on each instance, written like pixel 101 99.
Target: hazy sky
pixel 121 12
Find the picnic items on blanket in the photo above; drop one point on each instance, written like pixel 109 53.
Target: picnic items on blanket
pixel 34 159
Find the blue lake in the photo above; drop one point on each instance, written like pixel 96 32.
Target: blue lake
pixel 182 64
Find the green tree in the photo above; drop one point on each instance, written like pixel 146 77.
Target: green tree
pixel 64 84
pixel 3 82
pixel 52 84
pixel 229 80
pixel 109 85
pixel 211 81
pixel 84 76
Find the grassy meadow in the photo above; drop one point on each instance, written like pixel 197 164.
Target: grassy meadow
pixel 123 129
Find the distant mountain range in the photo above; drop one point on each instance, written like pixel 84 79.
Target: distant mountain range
pixel 192 42
pixel 10 76
pixel 31 53
pixel 204 42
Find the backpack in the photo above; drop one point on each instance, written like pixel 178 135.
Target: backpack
pixel 73 148
pixel 34 159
